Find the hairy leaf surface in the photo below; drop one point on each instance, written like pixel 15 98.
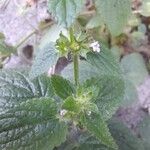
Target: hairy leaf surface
pixel 28 113
pixel 96 125
pixel 46 57
pixel 115 13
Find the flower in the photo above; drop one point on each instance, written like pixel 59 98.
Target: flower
pixel 95 46
pixel 89 113
pixel 63 112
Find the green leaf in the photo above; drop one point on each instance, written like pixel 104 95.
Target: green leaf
pixel 6 49
pixel 2 36
pixel 104 62
pixel 28 113
pixel 111 94
pixel 97 64
pixel 144 131
pixel 45 58
pixel 94 22
pixel 62 87
pixel 124 137
pixel 134 68
pixel 70 104
pixel 115 14
pixel 89 142
pixel 96 125
pixel 131 94
pixel 65 11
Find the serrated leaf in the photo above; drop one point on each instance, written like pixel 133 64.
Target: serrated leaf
pixel 62 87
pixel 124 137
pixel 115 14
pixel 45 58
pixel 65 11
pixel 111 94
pixel 28 113
pixel 96 125
pixel 104 62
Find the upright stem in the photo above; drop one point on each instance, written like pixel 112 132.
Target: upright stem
pixel 76 68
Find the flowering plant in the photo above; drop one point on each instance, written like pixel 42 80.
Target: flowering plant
pixel 67 111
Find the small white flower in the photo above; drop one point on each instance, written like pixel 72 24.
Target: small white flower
pixel 95 46
pixel 89 113
pixel 63 112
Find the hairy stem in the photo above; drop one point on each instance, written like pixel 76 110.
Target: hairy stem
pixel 76 68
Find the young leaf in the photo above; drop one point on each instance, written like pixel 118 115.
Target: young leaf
pixel 70 104
pixel 96 125
pixel 115 14
pixel 62 87
pixel 28 113
pixel 45 58
pixel 65 11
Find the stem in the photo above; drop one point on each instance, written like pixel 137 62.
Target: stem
pixel 76 68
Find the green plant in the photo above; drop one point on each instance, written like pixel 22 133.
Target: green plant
pixel 45 113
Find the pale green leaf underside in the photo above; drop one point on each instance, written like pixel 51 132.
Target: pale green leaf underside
pixel 46 57
pixel 28 113
pixel 115 13
pixel 65 11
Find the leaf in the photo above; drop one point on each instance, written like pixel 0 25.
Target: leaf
pixel 104 62
pixel 89 142
pixel 145 8
pixel 131 94
pixel 65 11
pixel 62 87
pixel 6 49
pixel 94 22
pixel 45 58
pixel 28 113
pixel 97 64
pixel 134 68
pixel 124 137
pixel 115 14
pixel 96 125
pixel 144 131
pixel 2 36
pixel 111 94
pixel 71 105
